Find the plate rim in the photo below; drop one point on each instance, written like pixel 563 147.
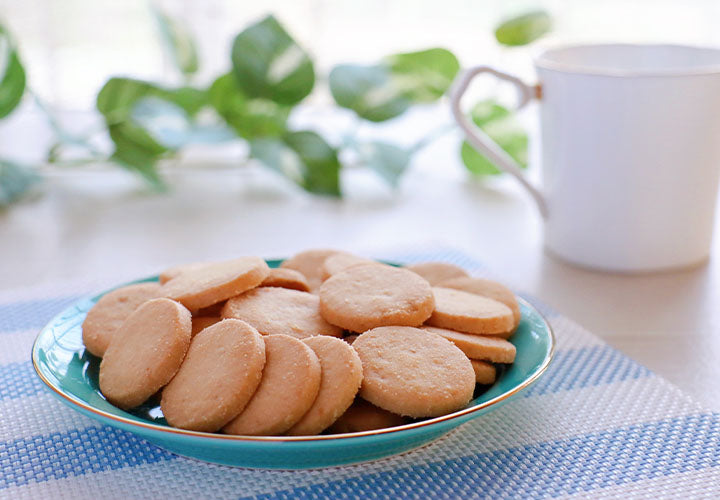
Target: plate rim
pixel 173 431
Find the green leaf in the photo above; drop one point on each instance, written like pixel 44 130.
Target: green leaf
pixel 524 29
pixel 250 118
pixel 387 160
pixel 304 157
pixel 118 96
pixel 383 91
pixel 269 64
pixel 500 125
pixel 178 41
pixel 12 83
pixel 426 75
pixel 367 90
pixel 15 181
pixel 137 151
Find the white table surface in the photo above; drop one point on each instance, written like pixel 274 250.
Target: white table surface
pixel 106 224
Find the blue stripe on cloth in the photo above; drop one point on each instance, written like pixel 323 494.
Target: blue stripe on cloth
pixel 571 369
pixel 18 380
pixel 73 453
pixel 587 367
pixel 582 463
pixel 31 313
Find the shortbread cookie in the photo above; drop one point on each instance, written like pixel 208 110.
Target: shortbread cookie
pixel 199 323
pixel 220 374
pixel 412 372
pixel 212 283
pixel 481 347
pixel 146 352
pixel 339 383
pixel 486 288
pixel 363 416
pixel 372 295
pixel 286 278
pixel 309 263
pixel 111 311
pixel 470 313
pixel 280 311
pixel 289 386
pixel 485 373
pixel 435 272
pixel 175 271
pixel 341 261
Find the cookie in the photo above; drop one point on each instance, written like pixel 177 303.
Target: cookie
pixel 146 352
pixel 279 311
pixel 199 323
pixel 485 372
pixel 175 271
pixel 481 347
pixel 367 296
pixel 470 313
pixel 435 272
pixel 412 372
pixel 341 261
pixel 363 416
pixel 309 263
pixel 212 283
pixel 289 386
pixel 286 278
pixel 339 383
pixel 111 311
pixel 487 288
pixel 220 374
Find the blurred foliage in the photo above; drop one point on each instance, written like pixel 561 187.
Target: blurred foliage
pixel 270 75
pixel 523 29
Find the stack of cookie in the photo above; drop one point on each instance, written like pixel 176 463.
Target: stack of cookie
pixel 328 342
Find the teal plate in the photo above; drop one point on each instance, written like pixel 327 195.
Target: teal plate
pixel 71 373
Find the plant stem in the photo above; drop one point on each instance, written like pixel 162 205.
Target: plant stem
pixel 432 136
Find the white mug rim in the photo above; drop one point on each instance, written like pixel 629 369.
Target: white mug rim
pixel 544 61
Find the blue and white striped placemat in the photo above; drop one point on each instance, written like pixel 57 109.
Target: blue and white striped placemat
pixel 597 425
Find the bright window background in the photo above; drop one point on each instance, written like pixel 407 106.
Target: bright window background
pixel 70 47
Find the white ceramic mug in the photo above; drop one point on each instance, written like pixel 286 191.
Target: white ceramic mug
pixel 630 152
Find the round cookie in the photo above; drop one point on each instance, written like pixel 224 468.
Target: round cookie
pixel 487 288
pixel 111 311
pixel 286 278
pixel 220 374
pixel 175 271
pixel 481 347
pixel 199 323
pixel 211 283
pixel 485 372
pixel 435 272
pixel 289 386
pixel 146 352
pixel 339 383
pixel 470 313
pixel 411 372
pixel 367 296
pixel 279 311
pixel 363 416
pixel 309 263
pixel 341 261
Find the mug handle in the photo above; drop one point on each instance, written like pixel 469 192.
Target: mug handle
pixel 480 140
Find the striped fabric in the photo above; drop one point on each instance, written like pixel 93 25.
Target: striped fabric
pixel 597 425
